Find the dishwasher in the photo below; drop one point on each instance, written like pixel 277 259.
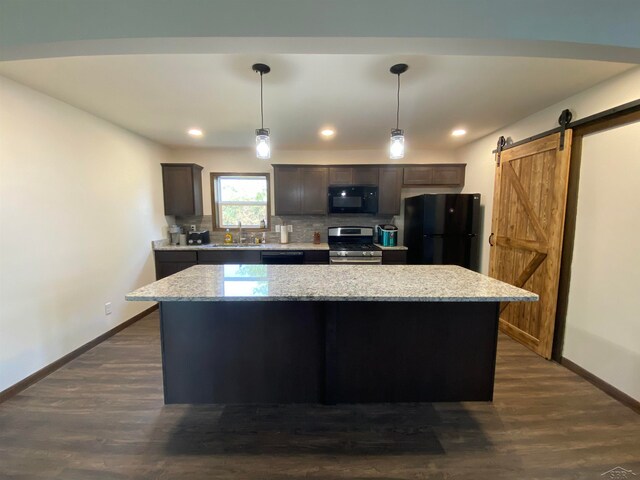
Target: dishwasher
pixel 290 257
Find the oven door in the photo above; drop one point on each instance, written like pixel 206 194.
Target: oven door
pixel 355 261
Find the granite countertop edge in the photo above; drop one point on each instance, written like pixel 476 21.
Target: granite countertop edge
pixel 330 299
pixel 395 247
pixel 330 283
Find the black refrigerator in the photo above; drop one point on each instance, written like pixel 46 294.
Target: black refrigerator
pixel 443 229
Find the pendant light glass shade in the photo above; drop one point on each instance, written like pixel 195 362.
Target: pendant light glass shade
pixel 263 144
pixel 396 148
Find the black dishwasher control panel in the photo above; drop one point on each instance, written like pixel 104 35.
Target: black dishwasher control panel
pixel 279 257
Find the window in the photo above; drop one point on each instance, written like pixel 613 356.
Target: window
pixel 240 198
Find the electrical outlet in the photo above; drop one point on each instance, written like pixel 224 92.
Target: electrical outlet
pixel 278 228
pixel 193 228
pixel 107 308
pixel 289 228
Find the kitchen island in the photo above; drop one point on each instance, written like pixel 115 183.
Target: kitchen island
pixel 328 333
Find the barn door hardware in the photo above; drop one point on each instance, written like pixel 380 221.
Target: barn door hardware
pixel 499 147
pixel 564 120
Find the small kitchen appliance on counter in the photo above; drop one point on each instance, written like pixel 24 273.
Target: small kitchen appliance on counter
pixel 198 238
pixel 387 235
pixel 353 246
pixel 174 234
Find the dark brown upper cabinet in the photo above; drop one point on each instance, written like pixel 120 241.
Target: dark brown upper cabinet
pixel 444 174
pixel 314 190
pixel 340 176
pixel 300 190
pixel 449 175
pixel 390 185
pixel 182 187
pixel 365 175
pixel 287 182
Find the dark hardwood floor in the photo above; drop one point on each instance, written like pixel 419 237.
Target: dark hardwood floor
pixel 102 417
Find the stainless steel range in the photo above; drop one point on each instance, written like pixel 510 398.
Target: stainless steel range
pixel 353 246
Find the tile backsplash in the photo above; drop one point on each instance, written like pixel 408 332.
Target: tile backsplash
pixel 303 225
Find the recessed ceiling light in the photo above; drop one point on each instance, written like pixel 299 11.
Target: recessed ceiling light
pixel 195 132
pixel 458 132
pixel 327 132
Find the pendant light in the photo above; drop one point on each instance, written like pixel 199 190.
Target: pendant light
pixel 263 144
pixel 396 147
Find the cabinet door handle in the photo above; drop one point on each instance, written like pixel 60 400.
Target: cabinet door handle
pixel 490 240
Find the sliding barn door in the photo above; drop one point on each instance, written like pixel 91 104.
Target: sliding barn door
pixel 527 228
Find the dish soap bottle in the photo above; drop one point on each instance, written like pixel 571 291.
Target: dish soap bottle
pixel 228 237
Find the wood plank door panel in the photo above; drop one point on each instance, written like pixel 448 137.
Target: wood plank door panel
pixel 527 229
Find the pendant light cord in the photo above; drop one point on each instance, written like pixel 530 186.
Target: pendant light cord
pixel 398 105
pixel 261 106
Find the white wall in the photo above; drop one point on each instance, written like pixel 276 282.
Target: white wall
pixel 480 161
pixel 80 202
pixel 603 319
pixel 241 161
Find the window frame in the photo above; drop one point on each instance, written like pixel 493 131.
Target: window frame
pixel 213 183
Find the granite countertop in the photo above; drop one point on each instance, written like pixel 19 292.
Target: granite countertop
pixel 415 283
pixel 257 246
pixel 397 247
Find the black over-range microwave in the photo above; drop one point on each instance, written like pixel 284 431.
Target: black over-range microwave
pixel 354 199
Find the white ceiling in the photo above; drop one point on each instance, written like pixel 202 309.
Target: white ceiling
pixel 161 96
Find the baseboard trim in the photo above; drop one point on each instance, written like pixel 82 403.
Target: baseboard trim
pixel 52 367
pixel 607 388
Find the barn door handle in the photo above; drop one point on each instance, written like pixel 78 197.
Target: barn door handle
pixel 490 240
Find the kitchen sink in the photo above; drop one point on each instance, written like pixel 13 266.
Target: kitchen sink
pixel 234 245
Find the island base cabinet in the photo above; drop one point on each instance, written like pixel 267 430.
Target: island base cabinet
pixel 241 352
pixel 328 352
pixel 411 352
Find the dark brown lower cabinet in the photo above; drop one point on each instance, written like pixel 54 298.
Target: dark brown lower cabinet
pixel 222 257
pixel 168 263
pixel 320 257
pixel 394 257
